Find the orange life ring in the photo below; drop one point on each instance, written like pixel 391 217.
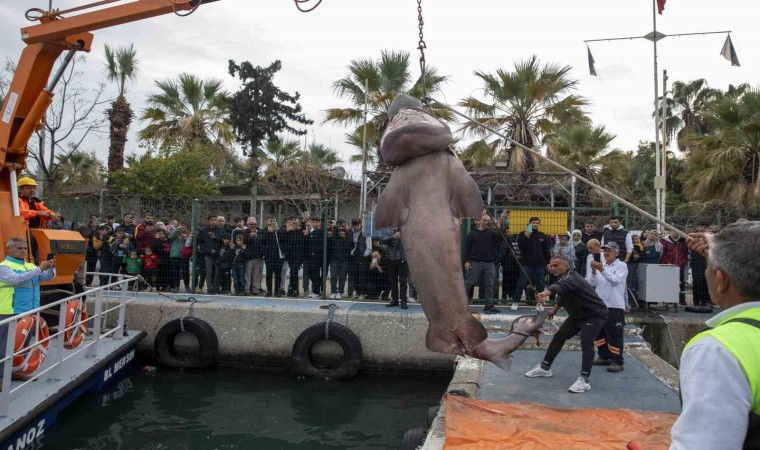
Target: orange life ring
pixel 76 324
pixel 29 333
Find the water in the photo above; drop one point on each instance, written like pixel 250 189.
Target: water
pixel 228 409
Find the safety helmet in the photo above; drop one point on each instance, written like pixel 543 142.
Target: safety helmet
pixel 26 181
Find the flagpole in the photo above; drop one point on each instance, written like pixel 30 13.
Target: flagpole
pixel 657 162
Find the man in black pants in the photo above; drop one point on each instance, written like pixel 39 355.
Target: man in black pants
pixel 586 312
pixel 398 271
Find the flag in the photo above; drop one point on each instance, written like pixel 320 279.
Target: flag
pixel 660 5
pixel 729 52
pixel 591 68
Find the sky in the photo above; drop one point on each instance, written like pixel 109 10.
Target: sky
pixel 461 36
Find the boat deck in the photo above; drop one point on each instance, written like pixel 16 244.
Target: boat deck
pixel 33 408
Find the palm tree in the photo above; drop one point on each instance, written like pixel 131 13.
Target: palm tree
pixel 80 168
pixel 121 66
pixel 725 164
pixel 320 156
pixel 585 150
pixel 386 77
pixel 527 104
pixel 685 110
pixel 279 154
pixel 188 114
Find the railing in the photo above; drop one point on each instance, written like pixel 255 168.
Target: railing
pixel 60 355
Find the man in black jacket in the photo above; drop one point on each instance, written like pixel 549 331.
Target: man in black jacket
pixel 481 251
pixel 293 245
pixel 586 312
pixel 274 256
pixel 535 253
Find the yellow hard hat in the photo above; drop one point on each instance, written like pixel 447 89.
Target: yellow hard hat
pixel 26 181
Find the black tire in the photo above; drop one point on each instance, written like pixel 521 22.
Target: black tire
pixel 431 415
pixel 342 335
pixel 208 344
pixel 413 438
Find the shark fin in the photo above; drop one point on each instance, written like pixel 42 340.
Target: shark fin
pixel 465 199
pixel 392 206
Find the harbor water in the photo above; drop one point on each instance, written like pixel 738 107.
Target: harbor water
pixel 232 409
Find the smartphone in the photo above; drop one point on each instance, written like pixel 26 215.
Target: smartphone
pixel 50 256
pixel 598 257
pixel 530 228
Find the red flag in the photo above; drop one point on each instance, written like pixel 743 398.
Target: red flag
pixel 660 5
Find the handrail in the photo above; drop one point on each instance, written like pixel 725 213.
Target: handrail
pixel 60 354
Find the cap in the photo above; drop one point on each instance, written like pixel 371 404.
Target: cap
pixel 26 181
pixel 612 245
pixel 355 221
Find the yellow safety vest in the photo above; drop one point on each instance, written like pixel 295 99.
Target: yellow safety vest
pixel 741 336
pixel 8 291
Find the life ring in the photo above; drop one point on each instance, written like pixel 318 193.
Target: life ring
pixel 208 343
pixel 343 336
pixel 74 334
pixel 29 333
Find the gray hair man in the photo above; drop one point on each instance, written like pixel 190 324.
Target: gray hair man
pixel 720 367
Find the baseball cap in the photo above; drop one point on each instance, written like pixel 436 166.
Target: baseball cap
pixel 612 245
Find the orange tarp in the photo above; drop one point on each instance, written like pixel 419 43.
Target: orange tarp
pixel 480 425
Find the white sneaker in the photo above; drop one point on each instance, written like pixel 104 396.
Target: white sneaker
pixel 412 300
pixel 338 296
pixel 514 306
pixel 355 296
pixel 538 371
pixel 332 296
pixel 580 385
pixel 362 297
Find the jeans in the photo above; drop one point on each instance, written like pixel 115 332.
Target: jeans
pixel 536 274
pixel 293 281
pixel 338 273
pixel 211 275
pixel 357 275
pixel 238 278
pixel 486 271
pixel 314 271
pixel 285 272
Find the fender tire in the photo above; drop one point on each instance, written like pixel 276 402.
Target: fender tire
pixel 413 438
pixel 342 335
pixel 432 413
pixel 208 344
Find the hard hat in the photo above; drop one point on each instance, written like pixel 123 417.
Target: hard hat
pixel 26 181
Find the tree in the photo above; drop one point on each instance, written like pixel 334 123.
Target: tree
pixel 277 155
pixel 260 110
pixel 184 172
pixel 6 76
pixel 320 156
pixel 685 110
pixel 80 168
pixel 527 104
pixel 386 77
pixel 121 66
pixel 638 180
pixel 585 150
pixel 68 122
pixel 188 114
pixel 725 163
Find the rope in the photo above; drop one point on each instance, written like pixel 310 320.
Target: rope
pixel 306 10
pixel 531 286
pixel 330 317
pixel 565 170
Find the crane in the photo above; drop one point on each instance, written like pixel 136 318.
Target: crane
pixel 31 93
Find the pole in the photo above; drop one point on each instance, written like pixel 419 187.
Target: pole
pixel 325 210
pixel 664 155
pixel 572 203
pixel 194 236
pixel 363 195
pixel 658 167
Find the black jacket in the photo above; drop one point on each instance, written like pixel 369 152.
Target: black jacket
pixel 314 245
pixel 272 244
pixel 339 247
pixel 535 250
pixel 482 246
pixel 578 297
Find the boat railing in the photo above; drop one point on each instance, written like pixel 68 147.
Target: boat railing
pixel 117 291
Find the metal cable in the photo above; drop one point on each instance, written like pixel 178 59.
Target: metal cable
pixel 306 10
pixel 330 317
pixel 565 169
pixel 531 286
pixel 421 46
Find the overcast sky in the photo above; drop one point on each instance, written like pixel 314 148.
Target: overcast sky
pixel 462 36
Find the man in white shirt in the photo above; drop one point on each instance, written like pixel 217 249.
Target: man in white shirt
pixel 609 279
pixel 720 367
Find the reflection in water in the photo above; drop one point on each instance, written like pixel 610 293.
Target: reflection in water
pixel 226 409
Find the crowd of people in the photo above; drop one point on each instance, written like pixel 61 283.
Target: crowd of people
pixel 524 258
